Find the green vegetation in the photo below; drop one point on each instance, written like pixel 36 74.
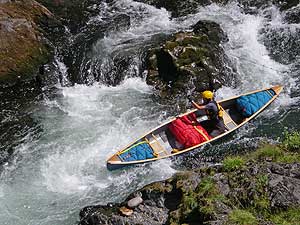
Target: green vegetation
pixel 199 203
pixel 190 55
pixel 291 141
pixel 275 154
pixel 287 152
pixel 248 182
pixel 233 163
pixel 258 203
pixel 269 152
pixel 289 217
pixel 242 217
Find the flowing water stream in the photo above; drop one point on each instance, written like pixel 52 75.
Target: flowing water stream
pixel 60 167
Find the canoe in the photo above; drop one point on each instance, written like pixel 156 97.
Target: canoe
pixel 160 143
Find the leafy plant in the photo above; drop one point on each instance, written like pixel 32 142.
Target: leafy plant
pixel 290 158
pixel 291 141
pixel 233 163
pixel 242 217
pixel 289 217
pixel 268 151
pixel 206 186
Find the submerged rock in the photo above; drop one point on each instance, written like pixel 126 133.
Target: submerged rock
pixel 190 61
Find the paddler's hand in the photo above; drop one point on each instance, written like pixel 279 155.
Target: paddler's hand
pixel 190 99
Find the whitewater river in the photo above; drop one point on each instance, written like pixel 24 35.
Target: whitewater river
pixel 61 168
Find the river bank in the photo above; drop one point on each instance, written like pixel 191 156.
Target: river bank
pixel 261 187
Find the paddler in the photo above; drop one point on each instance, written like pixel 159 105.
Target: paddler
pixel 215 123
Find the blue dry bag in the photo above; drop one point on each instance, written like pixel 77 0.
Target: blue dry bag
pixel 250 104
pixel 139 151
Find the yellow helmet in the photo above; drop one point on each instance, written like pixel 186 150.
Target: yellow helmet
pixel 207 95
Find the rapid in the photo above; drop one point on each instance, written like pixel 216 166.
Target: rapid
pixel 60 166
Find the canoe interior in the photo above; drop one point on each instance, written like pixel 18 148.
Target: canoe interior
pixel 163 142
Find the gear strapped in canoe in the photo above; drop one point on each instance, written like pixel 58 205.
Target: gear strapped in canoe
pixel 139 151
pixel 250 104
pixel 188 131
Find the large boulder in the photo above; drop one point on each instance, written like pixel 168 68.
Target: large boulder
pixel 23 48
pixel 73 13
pixel 190 61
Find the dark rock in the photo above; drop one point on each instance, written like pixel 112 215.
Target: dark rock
pixel 190 61
pixel 180 8
pixel 293 15
pixel 284 188
pixel 252 6
pixel 213 31
pixel 73 13
pixel 285 4
pixel 23 48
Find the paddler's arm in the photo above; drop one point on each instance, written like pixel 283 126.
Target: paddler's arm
pixel 200 107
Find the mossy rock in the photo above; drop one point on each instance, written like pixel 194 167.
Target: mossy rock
pixel 189 60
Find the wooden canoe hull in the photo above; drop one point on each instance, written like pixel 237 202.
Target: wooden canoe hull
pixel 114 162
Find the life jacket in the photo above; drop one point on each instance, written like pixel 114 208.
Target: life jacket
pixel 214 114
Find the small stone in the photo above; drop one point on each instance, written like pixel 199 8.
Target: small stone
pixel 125 211
pixel 134 202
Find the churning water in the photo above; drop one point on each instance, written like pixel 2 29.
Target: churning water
pixel 60 169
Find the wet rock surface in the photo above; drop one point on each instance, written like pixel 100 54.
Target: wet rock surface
pixel 251 6
pixel 177 8
pixel 190 61
pixel 73 13
pixel 207 195
pixel 23 48
pixel 293 14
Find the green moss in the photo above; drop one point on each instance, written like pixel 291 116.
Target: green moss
pixel 291 141
pixel 233 163
pixel 160 187
pixel 241 217
pixel 191 41
pixel 198 203
pixel 289 158
pixel 268 151
pixel 289 217
pixel 262 204
pixel 170 45
pixel 209 195
pixel 189 203
pixel 262 180
pixel 206 186
pixel 191 55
